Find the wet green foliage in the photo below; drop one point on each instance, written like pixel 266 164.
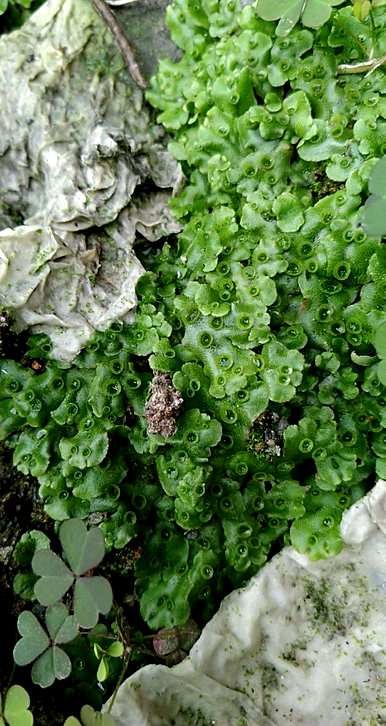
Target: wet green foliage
pixel 4 4
pixel 13 13
pixel 268 315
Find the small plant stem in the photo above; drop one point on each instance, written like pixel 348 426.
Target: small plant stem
pixel 365 66
pixel 118 684
pixel 127 52
pixel 10 679
pixel 373 28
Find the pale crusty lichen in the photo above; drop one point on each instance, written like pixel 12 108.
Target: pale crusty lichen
pixel 83 169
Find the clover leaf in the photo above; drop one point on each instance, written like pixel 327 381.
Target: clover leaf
pixel 28 544
pixel 84 550
pixel 16 708
pixel 50 662
pixel 312 13
pixel 89 717
pixel 374 213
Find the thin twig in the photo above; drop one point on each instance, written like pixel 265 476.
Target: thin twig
pixel 119 683
pixel 365 66
pixel 128 54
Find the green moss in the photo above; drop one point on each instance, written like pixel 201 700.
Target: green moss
pixel 266 314
pixel 270 680
pixel 330 610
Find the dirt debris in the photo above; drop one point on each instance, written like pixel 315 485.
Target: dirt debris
pixel 163 406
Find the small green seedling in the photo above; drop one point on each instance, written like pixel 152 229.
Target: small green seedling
pixel 83 550
pixel 43 646
pixel 15 711
pixel 312 13
pixel 114 650
pixel 89 717
pixel 104 648
pixel 374 215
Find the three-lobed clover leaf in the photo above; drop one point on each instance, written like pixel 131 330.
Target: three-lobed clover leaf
pixel 312 13
pixel 89 717
pixel 374 213
pixel 16 708
pixel 41 647
pixel 83 550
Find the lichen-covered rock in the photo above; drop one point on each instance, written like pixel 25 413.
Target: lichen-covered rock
pixel 302 644
pixel 83 168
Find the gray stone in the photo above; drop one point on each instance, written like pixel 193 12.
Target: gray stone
pixel 144 24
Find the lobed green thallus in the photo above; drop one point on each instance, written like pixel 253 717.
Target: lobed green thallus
pixel 268 314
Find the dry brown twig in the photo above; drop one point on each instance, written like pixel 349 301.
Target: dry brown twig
pixel 127 52
pixel 369 66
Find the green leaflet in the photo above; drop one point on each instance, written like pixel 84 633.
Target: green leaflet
pixel 50 662
pixel 83 549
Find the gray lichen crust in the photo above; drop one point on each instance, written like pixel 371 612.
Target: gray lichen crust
pixel 82 169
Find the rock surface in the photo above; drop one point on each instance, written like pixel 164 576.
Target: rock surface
pixel 144 24
pixel 83 170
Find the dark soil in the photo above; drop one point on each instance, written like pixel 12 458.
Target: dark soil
pixel 20 511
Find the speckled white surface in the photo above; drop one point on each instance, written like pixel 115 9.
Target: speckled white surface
pixel 304 643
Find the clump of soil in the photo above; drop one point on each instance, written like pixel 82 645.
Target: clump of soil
pixel 163 406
